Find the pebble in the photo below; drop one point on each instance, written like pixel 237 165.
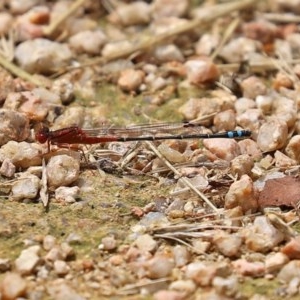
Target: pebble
pixel 166 53
pixel 55 253
pixel 22 155
pixel 108 243
pixel 242 104
pixel 251 119
pixel 247 268
pixel 202 273
pixel 13 287
pixel 59 290
pixel 289 271
pixel 182 256
pixel 61 268
pixel 249 147
pixel 88 41
pixel 27 103
pixel 241 193
pixel 6 21
pixel 207 44
pixel 135 13
pixel 14 126
pixel 130 80
pixel 28 260
pixel 159 266
pixel 165 8
pixel 186 286
pixel 253 87
pixel 242 164
pixel 283 161
pixel 226 286
pixel 63 87
pixel 66 194
pixel 146 243
pixel 293 148
pixel 7 168
pixel 7 82
pixel 226 149
pixel 239 49
pixel 168 295
pixel 275 261
pixel 20 7
pixel 272 135
pixel 25 187
pixel 262 236
pixel 62 170
pixel 42 56
pixel 201 71
pixel 5 265
pixel 292 248
pixel 225 120
pixel 49 242
pixel 228 244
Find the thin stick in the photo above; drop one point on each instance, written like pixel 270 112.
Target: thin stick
pixel 209 15
pixel 57 22
pixel 184 179
pixel 12 68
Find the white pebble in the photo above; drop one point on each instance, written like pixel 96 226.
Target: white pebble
pixel 25 187
pixel 272 135
pixel 61 268
pixel 67 194
pixel 28 260
pixel 62 170
pixel 146 243
pixel 130 80
pixel 13 286
pixel 293 148
pixel 49 242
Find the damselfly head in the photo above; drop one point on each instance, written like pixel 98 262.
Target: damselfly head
pixel 42 134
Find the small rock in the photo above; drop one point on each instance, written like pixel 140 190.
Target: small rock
pixel 226 149
pixel 225 120
pixel 61 268
pixel 88 41
pixel 203 273
pixel 239 49
pixel 49 242
pixel 28 260
pixel 242 164
pixel 275 261
pixel 241 193
pixel 26 187
pixel 185 286
pixel 290 271
pixel 61 291
pixel 253 87
pixel 7 168
pixel 42 56
pixel 283 161
pixel 292 148
pixel 13 286
pixel 246 268
pixel 108 243
pixel 292 248
pixel 201 71
pixel 135 13
pixel 207 44
pixel 159 266
pixel 22 155
pixel 226 286
pixel 62 170
pixel 228 244
pixel 262 236
pixel 54 254
pixel 146 243
pixel 181 255
pixel 6 21
pixel 272 135
pixel 165 8
pixel 67 194
pixel 5 265
pixel 14 126
pixel 168 295
pixel 130 80
pixel 166 53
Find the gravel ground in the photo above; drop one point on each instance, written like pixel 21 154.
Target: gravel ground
pixel 85 215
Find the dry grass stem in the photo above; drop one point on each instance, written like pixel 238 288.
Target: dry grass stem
pixel 185 180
